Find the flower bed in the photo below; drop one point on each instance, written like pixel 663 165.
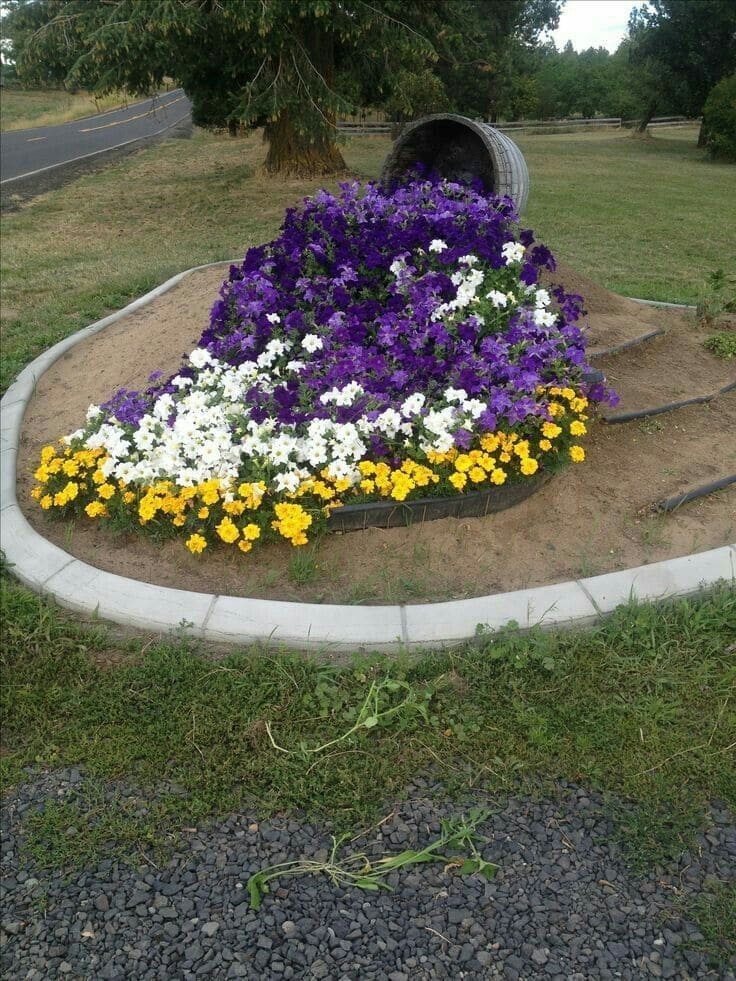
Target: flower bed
pixel 387 346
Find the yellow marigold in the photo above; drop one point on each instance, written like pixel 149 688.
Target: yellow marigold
pixel 367 486
pixel 106 491
pixel 244 546
pixel 477 475
pixel 203 514
pixel 36 493
pixel 498 476
pixel 367 467
pixel 227 530
pixel 522 449
pixel 551 430
pixel 98 477
pixel 70 468
pixel 568 393
pixel 463 463
pixel 129 497
pixel 555 409
pixel 489 442
pixel 579 404
pixel 71 490
pixel 178 521
pixel 251 532
pixel 234 507
pixel 342 484
pixel 47 454
pixel 577 454
pixel 196 544
pixel 544 444
pixel 95 509
pixel 458 480
pixel 528 466
pixel 42 475
pixel 578 428
pixel 323 490
pixel 187 493
pixel 46 501
pixel 55 465
pixel 504 457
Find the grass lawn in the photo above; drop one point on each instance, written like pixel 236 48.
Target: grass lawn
pixel 26 108
pixel 640 707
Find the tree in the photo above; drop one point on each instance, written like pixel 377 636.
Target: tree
pixel 272 63
pixel 683 48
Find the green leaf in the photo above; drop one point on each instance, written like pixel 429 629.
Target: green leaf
pixel 365 883
pixel 257 889
pixel 371 721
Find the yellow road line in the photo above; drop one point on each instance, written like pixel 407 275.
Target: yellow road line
pixel 165 105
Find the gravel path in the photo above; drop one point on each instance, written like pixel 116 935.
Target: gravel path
pixel 564 906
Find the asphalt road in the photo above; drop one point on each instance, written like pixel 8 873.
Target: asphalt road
pixel 27 151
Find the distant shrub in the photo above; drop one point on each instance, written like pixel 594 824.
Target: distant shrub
pixel 719 120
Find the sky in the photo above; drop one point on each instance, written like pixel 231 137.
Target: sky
pixel 593 23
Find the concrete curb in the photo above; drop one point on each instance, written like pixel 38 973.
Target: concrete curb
pixel 49 570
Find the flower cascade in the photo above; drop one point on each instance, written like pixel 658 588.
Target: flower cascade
pixel 388 345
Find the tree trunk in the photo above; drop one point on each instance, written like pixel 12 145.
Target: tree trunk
pixel 702 136
pixel 646 119
pixel 292 152
pixel 295 154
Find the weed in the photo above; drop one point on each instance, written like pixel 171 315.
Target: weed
pixel 714 911
pixel 303 565
pixel 718 296
pixel 722 344
pixel 358 870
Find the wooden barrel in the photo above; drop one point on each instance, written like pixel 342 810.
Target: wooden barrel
pixel 460 148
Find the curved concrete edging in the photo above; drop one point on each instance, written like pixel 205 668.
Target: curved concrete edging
pixel 47 569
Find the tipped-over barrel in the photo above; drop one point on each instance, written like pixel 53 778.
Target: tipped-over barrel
pixel 460 148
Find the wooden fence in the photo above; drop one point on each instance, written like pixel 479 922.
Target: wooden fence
pixel 358 126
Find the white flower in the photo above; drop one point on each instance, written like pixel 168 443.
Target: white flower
pixel 512 252
pixel 273 318
pixel 200 357
pixel 413 405
pixel 456 394
pixel 542 298
pixel 312 343
pixel 93 412
pixel 437 245
pixel 397 266
pixel 468 260
pixel 499 300
pixel 543 318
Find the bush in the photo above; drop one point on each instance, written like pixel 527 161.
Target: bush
pixel 719 120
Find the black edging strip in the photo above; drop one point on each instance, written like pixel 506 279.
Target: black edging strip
pixel 627 344
pixel 672 503
pixel 657 410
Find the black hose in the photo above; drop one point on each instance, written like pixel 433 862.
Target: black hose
pixel 657 410
pixel 627 344
pixel 672 503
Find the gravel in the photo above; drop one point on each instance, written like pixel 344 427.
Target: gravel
pixel 564 905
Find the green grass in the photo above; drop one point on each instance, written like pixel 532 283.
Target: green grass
pixel 638 707
pixel 24 108
pixel 643 217
pixel 722 344
pixel 714 910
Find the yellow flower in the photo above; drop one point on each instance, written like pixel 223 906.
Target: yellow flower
pixel 251 532
pixel 36 493
pixel 555 409
pixel 46 501
pixel 291 522
pixel 196 544
pixel 71 490
pixel 551 430
pixel 463 463
pixel 368 486
pixel 96 509
pixel 578 428
pixel 529 466
pixel 577 454
pixel 367 467
pixel 106 491
pixel 244 546
pixel 477 475
pixel 458 481
pixel 129 497
pixel 489 442
pixel 203 514
pixel 70 468
pixel 179 520
pixel 228 531
pixel 522 449
pixel 98 477
pixel 498 476
pixel 47 454
pixel 504 457
pixel 544 444
pixel 234 507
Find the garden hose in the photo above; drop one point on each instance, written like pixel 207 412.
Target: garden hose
pixel 634 342
pixel 672 503
pixel 656 410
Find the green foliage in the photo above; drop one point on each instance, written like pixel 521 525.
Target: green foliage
pixel 359 870
pixel 717 296
pixel 719 120
pixel 722 344
pixel 714 910
pixel 416 94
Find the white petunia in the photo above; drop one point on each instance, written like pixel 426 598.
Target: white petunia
pixel 437 245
